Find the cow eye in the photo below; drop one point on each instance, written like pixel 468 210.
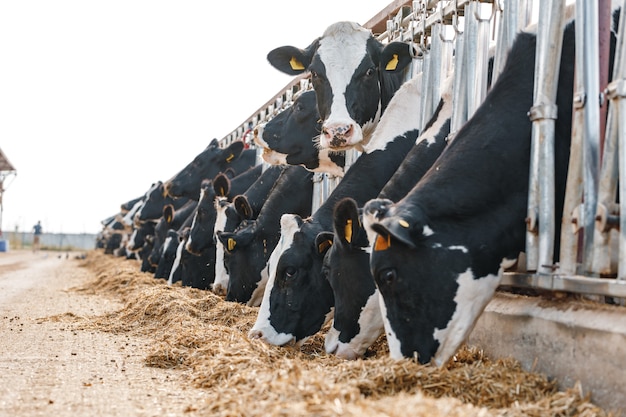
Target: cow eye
pixel 325 272
pixel 290 272
pixel 370 72
pixel 387 276
pixel 314 74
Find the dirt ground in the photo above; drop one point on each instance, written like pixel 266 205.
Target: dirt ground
pixel 96 337
pixel 48 369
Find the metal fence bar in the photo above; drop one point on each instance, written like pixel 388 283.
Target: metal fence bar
pixel 540 234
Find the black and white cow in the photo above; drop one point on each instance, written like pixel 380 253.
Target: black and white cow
pixel 207 164
pixel 228 218
pixel 354 76
pixel 292 136
pixel 250 245
pixel 195 271
pixel 297 299
pixel 357 321
pixel 439 252
pixel 201 231
pixel 171 219
pixel 155 199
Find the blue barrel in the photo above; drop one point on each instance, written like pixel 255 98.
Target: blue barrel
pixel 4 245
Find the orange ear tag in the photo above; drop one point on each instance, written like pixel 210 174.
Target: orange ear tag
pixel 348 230
pixel 382 243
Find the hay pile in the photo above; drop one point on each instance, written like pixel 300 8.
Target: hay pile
pixel 198 332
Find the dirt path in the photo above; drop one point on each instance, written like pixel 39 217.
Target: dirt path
pixel 48 369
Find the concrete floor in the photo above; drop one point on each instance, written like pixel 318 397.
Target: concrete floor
pixel 570 340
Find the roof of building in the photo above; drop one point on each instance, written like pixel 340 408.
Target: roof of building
pixel 5 164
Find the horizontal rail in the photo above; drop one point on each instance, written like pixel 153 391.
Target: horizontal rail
pixel 569 283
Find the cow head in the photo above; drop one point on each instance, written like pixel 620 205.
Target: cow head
pixel 357 322
pixel 354 77
pixel 201 232
pixel 292 137
pixel 208 164
pixel 297 300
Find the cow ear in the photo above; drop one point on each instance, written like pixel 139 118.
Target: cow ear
pixel 242 205
pixel 214 144
pixel 323 242
pixel 232 152
pixel 221 185
pixel 227 239
pixel 396 56
pixel 292 60
pixel 346 221
pixel 391 228
pixel 168 213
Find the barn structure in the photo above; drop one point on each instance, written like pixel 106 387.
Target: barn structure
pixel 580 338
pixel 6 170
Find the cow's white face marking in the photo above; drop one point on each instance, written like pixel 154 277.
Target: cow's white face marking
pixel 220 284
pixel 342 48
pixel 274 158
pixel 471 298
pixel 176 265
pixel 262 327
pixel 371 325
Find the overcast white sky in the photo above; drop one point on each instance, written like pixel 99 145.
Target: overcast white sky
pixel 99 99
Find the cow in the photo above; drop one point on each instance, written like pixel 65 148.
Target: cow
pixel 137 238
pixel 250 245
pixel 295 305
pixel 201 231
pixel 228 218
pixel 438 253
pixel 354 77
pixel 291 138
pixel 195 271
pixel 201 223
pixel 154 200
pixel 357 321
pixel 171 219
pixel 207 164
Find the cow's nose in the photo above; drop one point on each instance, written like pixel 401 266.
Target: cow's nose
pixel 337 135
pixel 345 352
pixel 255 334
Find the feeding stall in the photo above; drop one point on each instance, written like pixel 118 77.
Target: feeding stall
pixel 458 37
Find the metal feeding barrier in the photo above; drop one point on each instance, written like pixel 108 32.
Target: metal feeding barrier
pixel 458 38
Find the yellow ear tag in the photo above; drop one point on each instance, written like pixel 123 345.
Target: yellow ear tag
pixel 324 245
pixel 382 243
pixel 403 223
pixel 231 244
pixel 230 157
pixel 222 193
pixel 169 218
pixel 295 64
pixel 391 65
pixel 348 230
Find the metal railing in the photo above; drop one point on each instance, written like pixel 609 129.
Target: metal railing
pixel 458 37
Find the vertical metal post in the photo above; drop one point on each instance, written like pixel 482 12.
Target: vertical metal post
pixel 609 172
pixel 459 90
pixel 471 40
pixel 587 64
pixel 540 236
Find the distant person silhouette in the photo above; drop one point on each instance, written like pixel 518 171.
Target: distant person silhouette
pixel 37 231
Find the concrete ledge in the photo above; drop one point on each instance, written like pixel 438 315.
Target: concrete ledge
pixel 564 339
